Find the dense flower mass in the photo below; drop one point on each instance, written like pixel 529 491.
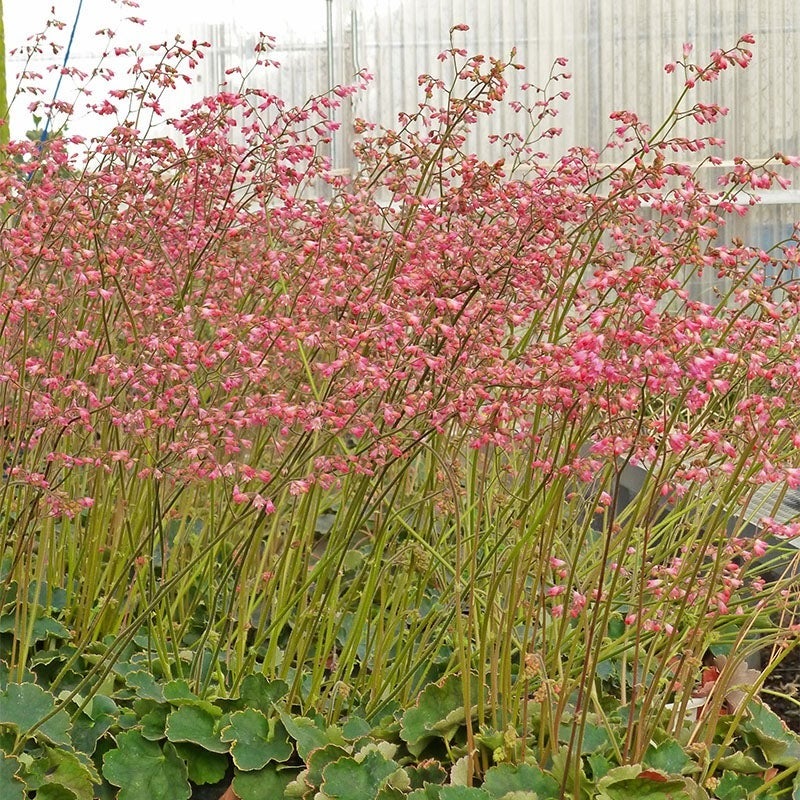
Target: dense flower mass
pixel 186 307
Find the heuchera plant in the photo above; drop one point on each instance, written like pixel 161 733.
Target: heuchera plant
pixel 359 433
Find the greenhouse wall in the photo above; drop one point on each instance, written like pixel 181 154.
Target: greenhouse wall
pixel 616 49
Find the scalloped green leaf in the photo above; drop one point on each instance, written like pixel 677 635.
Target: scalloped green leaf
pixel 44 657
pixel 178 693
pixel 349 778
pixel 43 628
pixel 621 784
pixel 594 738
pixel 769 732
pixel 599 765
pixel 355 728
pixel 390 793
pixel 744 763
pixel 203 766
pixel 58 770
pixel 429 792
pixel 463 793
pixel 143 770
pixel 24 705
pixel 439 713
pixel 319 758
pixel 255 740
pixel 263 784
pixel 97 718
pixel 503 779
pixel 306 733
pixel 668 756
pixel 144 685
pixel 154 722
pixel 11 786
pixel 196 725
pixel 737 787
pixel 261 694
pixel 428 771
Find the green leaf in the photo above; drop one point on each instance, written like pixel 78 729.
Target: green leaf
pixel 768 731
pixel 390 793
pixel 632 783
pixel 24 705
pixel 505 778
pixel 355 728
pixel 154 722
pixel 145 771
pixel 428 771
pixel 743 763
pixel 319 758
pixel 263 784
pixel 190 724
pixel 43 628
pixel 737 787
pixel 349 778
pixel 11 787
pixel 60 769
pixel 178 693
pixel 204 767
pixel 429 792
pixel 256 740
pixel 463 793
pixel 259 693
pixel 669 757
pixel 439 713
pixel 306 733
pixel 599 765
pixel 96 719
pixel 54 791
pixel 145 685
pixel 594 738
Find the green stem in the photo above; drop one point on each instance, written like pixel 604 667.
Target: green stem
pixel 5 133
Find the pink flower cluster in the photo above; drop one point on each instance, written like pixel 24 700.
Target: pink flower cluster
pixel 187 307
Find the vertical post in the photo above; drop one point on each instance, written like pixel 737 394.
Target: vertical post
pixel 5 131
pixel 331 79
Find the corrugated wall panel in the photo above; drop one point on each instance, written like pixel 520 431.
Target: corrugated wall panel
pixel 617 50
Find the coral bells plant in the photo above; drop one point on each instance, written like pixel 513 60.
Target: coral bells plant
pixel 364 433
